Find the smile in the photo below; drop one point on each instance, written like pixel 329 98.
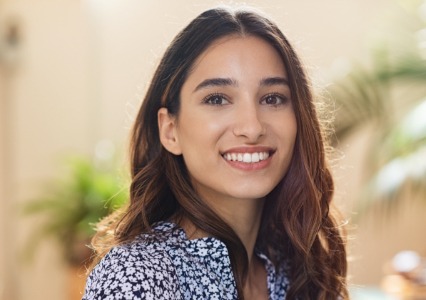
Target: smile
pixel 247 157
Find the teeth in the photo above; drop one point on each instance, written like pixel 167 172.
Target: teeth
pixel 247 157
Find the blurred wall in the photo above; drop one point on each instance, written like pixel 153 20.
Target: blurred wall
pixel 45 100
pixel 78 76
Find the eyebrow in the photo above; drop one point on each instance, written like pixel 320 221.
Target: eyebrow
pixel 270 81
pixel 214 82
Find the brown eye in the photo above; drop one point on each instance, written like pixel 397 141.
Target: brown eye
pixel 273 99
pixel 216 99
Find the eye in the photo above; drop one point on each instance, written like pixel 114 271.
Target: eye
pixel 274 99
pixel 216 99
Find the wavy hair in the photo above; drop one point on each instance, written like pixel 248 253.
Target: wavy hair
pixel 297 226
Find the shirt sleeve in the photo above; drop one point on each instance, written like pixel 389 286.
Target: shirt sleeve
pixel 133 272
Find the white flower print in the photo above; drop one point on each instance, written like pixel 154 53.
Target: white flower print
pixel 166 265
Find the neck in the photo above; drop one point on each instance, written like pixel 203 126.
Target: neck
pixel 242 215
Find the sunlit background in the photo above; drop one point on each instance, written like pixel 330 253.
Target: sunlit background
pixel 72 74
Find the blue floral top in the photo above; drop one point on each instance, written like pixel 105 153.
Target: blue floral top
pixel 167 265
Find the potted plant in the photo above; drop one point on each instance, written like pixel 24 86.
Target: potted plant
pixel 71 205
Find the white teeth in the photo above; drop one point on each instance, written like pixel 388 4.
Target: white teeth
pixel 247 157
pixel 265 155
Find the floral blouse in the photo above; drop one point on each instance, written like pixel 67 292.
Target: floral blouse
pixel 167 265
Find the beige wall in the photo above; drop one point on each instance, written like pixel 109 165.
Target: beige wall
pixel 48 114
pixel 82 68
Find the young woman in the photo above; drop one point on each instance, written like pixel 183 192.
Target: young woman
pixel 230 189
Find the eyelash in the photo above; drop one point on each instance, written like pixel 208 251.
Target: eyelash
pixel 209 98
pixel 282 98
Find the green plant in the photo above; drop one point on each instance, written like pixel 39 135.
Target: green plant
pixel 71 205
pixel 389 99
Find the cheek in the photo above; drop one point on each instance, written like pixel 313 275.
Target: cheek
pixel 286 128
pixel 291 124
pixel 287 134
pixel 200 131
pixel 293 133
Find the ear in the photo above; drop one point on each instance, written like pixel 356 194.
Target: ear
pixel 167 131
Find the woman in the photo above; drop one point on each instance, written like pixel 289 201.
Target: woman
pixel 230 190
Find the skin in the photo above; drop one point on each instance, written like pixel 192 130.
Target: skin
pixel 236 101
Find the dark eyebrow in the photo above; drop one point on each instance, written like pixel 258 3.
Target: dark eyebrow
pixel 274 81
pixel 216 82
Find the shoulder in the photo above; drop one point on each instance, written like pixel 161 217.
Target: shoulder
pixel 140 270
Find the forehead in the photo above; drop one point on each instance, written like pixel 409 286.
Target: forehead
pixel 235 53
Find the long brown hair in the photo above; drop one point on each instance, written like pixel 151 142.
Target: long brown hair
pixel 297 225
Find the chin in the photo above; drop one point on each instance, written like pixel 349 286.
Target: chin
pixel 251 193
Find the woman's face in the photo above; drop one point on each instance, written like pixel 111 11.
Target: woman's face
pixel 236 126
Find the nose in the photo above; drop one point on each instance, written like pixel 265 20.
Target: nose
pixel 248 123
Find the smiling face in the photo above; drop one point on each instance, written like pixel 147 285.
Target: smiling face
pixel 236 126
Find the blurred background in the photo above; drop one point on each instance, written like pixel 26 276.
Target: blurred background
pixel 72 75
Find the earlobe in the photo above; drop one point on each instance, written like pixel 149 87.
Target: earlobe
pixel 167 131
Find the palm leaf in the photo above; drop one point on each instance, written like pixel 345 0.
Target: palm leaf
pixel 71 205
